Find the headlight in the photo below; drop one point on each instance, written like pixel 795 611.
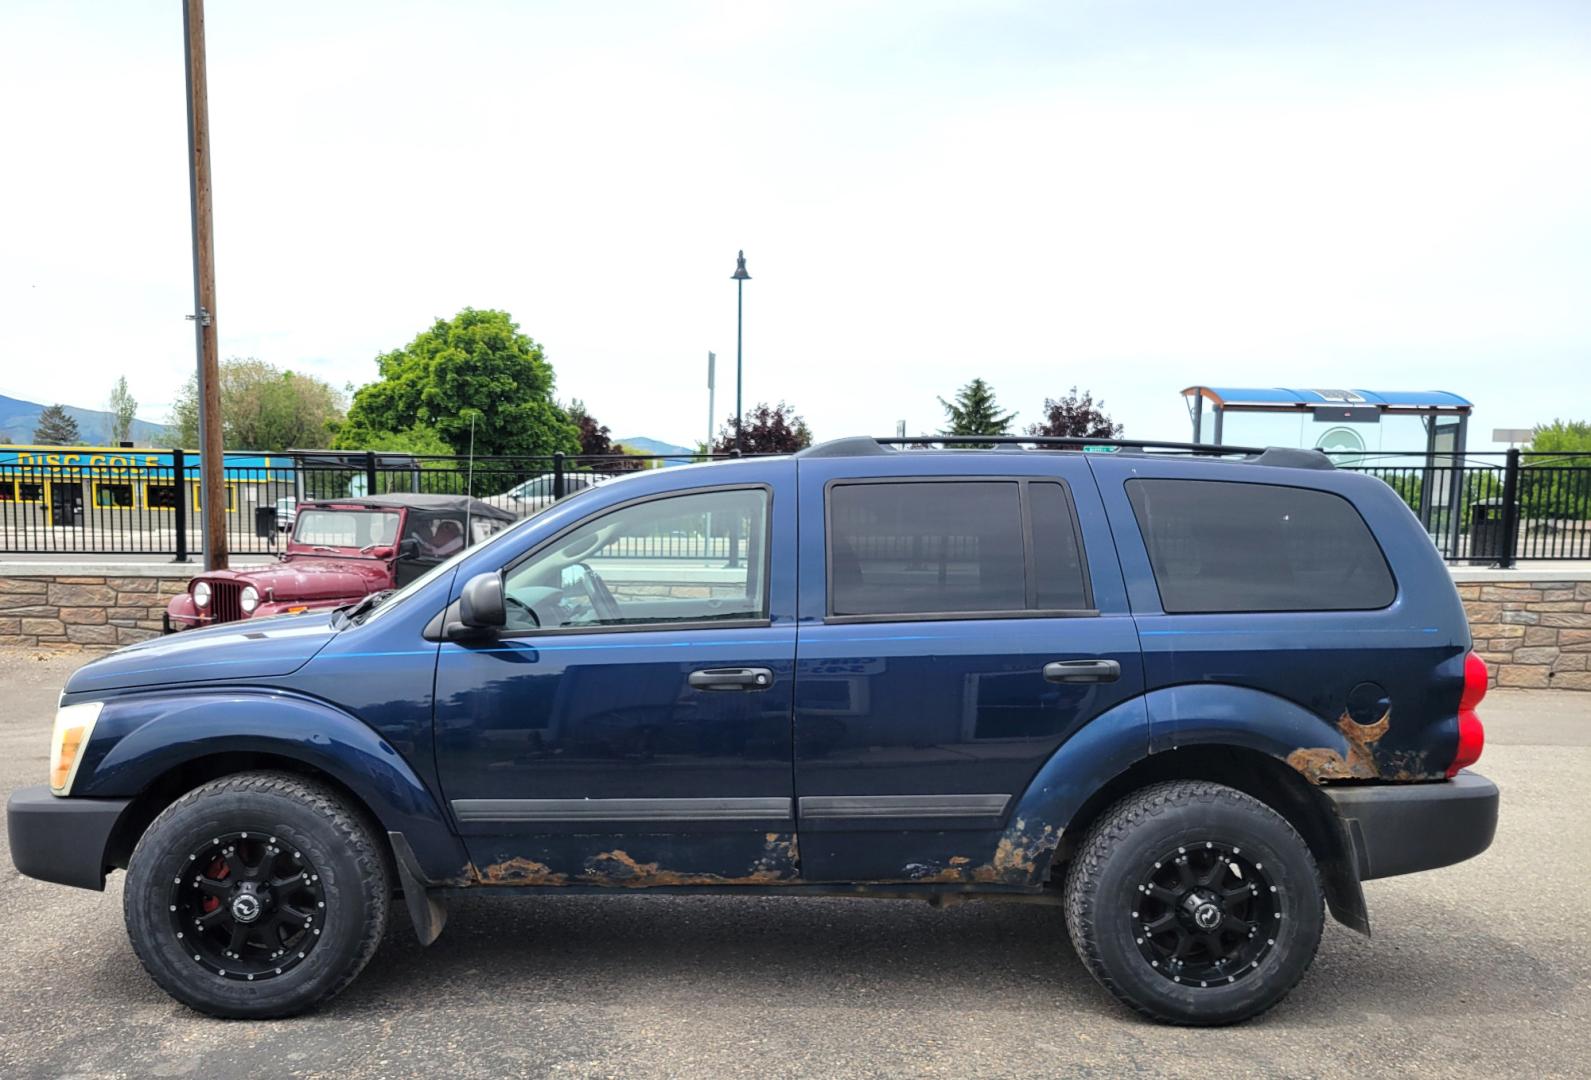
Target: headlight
pixel 73 726
pixel 249 599
pixel 201 594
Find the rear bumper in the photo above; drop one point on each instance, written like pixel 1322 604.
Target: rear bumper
pixel 61 840
pixel 1405 828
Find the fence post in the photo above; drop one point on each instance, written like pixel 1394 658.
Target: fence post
pixel 179 482
pixel 557 475
pixel 370 472
pixel 1510 509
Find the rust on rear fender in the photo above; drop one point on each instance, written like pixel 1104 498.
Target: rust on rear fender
pixel 1361 760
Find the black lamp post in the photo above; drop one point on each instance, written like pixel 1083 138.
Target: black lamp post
pixel 739 277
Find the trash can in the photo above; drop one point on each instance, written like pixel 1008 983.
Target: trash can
pixel 1486 540
pixel 265 523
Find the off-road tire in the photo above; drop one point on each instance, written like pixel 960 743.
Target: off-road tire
pixel 1101 886
pixel 309 816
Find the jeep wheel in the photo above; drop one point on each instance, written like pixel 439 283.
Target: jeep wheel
pixel 1194 903
pixel 257 895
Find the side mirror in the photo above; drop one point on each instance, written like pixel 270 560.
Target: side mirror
pixel 409 548
pixel 481 604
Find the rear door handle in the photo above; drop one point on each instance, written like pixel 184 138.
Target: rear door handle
pixel 1077 671
pixel 732 678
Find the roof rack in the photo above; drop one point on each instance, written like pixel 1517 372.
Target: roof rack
pixel 862 445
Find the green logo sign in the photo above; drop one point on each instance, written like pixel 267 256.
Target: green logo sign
pixel 1343 443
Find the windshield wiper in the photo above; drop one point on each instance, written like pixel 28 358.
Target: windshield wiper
pixel 354 612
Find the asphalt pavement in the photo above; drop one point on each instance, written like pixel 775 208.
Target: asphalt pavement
pixel 1482 969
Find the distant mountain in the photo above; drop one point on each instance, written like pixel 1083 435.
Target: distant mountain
pixel 678 455
pixel 18 418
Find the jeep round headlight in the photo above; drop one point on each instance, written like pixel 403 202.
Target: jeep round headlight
pixel 73 725
pixel 249 599
pixel 201 594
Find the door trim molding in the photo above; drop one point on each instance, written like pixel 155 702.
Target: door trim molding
pixel 831 807
pixel 563 810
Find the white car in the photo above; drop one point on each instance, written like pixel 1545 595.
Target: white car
pixel 536 494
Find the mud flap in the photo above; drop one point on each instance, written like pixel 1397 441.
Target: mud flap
pixel 428 914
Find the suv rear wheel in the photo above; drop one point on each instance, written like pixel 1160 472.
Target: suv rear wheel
pixel 257 895
pixel 1194 903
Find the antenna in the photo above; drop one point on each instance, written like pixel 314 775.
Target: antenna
pixel 469 482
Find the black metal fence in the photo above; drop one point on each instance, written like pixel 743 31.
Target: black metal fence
pixel 1493 509
pixel 154 509
pixel 1490 509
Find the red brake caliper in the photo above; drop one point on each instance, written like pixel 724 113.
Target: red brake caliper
pixel 218 869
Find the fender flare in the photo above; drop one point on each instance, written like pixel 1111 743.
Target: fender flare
pixel 1207 714
pixel 161 732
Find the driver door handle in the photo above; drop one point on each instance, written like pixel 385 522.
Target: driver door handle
pixel 1082 671
pixel 732 678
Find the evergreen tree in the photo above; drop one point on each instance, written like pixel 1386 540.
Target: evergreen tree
pixel 55 428
pixel 975 412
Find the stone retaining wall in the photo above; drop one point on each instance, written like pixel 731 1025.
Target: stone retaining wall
pixel 78 611
pixel 1531 633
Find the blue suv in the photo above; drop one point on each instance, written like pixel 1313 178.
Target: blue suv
pixel 1194 697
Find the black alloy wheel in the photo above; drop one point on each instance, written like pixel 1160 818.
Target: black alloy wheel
pixel 1205 914
pixel 1194 903
pixel 251 908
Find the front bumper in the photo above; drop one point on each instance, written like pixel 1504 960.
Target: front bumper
pixel 1405 828
pixel 61 840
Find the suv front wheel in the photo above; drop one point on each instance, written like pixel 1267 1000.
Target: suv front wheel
pixel 1194 903
pixel 257 895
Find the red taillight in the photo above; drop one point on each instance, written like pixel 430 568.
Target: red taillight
pixel 1471 736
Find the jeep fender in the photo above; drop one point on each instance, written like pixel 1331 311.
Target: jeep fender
pixel 146 736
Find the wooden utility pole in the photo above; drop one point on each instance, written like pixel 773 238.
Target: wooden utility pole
pixel 212 464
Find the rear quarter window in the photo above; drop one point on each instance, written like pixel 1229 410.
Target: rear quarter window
pixel 1217 546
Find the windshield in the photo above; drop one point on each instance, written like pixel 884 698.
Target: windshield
pixel 396 600
pixel 345 528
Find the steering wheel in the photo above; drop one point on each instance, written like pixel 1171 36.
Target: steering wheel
pixel 514 601
pixel 602 601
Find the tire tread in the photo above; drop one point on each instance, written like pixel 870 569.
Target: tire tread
pixel 1109 832
pixel 351 830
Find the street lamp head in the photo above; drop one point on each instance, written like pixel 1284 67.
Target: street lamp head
pixel 740 269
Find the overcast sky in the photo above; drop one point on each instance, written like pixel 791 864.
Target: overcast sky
pixel 1131 197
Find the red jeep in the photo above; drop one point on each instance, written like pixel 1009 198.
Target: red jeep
pixel 340 551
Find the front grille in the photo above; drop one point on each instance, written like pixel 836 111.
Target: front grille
pixel 224 605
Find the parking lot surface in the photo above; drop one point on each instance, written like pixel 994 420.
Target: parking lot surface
pixel 1479 969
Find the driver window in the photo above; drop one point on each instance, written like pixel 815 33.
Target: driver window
pixel 682 558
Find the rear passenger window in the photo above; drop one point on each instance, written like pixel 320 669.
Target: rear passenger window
pixel 952 547
pixel 1059 582
pixel 1219 546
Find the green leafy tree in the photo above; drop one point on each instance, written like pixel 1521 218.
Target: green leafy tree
pixel 775 429
pixel 975 412
pixel 418 439
pixel 262 408
pixel 123 408
pixel 1570 438
pixel 1546 491
pixel 55 427
pixel 1076 416
pixel 477 360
